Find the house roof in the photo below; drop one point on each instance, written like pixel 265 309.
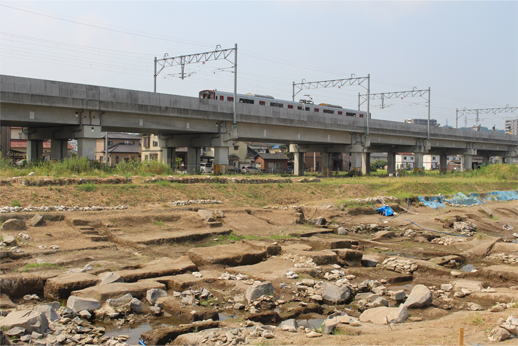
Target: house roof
pixel 22 143
pixel 276 156
pixel 123 148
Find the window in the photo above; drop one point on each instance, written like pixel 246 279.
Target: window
pixel 231 99
pixel 126 159
pixel 404 158
pixel 146 142
pixel 116 159
pixel 222 98
pixel 411 158
pixel 262 103
pixel 329 111
pixel 155 143
pixel 340 113
pixel 276 104
pixel 317 110
pixel 307 109
pixel 110 142
pixel 290 106
pixel 236 147
pixel 361 115
pixel 433 158
pixel 248 101
pixel 300 108
pixel 126 142
pixel 101 159
pixel 350 114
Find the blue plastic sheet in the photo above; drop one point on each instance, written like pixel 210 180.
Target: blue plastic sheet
pixel 386 210
pixel 437 202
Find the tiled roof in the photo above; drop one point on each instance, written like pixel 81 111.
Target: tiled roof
pixel 122 148
pixel 276 156
pixel 22 143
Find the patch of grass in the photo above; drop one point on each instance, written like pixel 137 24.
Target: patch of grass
pixel 30 266
pixel 158 223
pixel 475 319
pixel 15 203
pixel 340 332
pixel 88 187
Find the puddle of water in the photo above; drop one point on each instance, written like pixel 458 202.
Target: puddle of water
pixel 134 333
pixel 223 317
pixel 468 268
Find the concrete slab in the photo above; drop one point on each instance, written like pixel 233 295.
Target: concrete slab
pixel 116 290
pixel 162 267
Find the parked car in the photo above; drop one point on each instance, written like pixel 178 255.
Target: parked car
pixel 250 170
pixel 206 167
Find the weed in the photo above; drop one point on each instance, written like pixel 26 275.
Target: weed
pixel 158 223
pixel 88 187
pixel 340 332
pixel 15 203
pixel 30 266
pixel 475 319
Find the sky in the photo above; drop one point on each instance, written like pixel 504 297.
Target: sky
pixel 466 52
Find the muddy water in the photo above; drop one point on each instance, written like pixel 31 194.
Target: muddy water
pixel 135 331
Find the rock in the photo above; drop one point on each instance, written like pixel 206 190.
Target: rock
pixel 219 214
pixel 25 338
pixel 77 303
pixel 379 302
pixel 486 211
pixel 499 334
pixel 153 294
pixel 85 314
pixel 335 294
pixel 383 235
pixel 6 303
pixel 125 299
pixel 31 321
pixel 256 290
pixel 207 215
pixel 239 306
pixel 319 221
pixel 265 317
pixel 37 221
pixel 329 325
pixel 15 331
pixel 60 287
pixel 349 257
pixel 465 227
pixel 482 249
pixel 117 289
pixel 13 225
pixel 136 306
pixel 109 277
pixel 162 336
pixel 382 315
pixel 288 325
pixel 474 307
pixel 341 231
pixel 497 308
pixel 313 334
pixel 3 339
pixel 397 295
pixel 419 297
pixel 446 287
pixel 49 311
pixel 9 240
pixel 155 310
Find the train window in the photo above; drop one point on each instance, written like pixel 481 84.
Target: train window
pixel 299 108
pixel 317 110
pixel 340 113
pixel 350 114
pixel 222 98
pixel 262 103
pixel 290 106
pixel 251 102
pixel 361 115
pixel 307 108
pixel 329 111
pixel 276 104
pixel 231 99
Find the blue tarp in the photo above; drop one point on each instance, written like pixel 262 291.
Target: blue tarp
pixel 386 210
pixel 437 202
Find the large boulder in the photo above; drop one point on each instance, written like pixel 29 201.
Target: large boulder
pixel 37 221
pixel 207 215
pixel 419 297
pixel 49 310
pixel 153 294
pixel 257 290
pixel 109 278
pixel 13 225
pixel 336 295
pixel 30 320
pixel 78 303
pixel 382 315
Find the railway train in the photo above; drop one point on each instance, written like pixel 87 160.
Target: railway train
pixel 270 101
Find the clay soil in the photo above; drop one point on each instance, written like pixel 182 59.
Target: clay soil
pixel 151 229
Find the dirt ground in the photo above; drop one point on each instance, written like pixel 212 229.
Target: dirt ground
pixel 118 240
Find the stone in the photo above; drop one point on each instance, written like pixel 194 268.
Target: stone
pixel 382 315
pixel 313 334
pixel 497 308
pixel 153 294
pixel 37 221
pixel 49 310
pixel 349 257
pixel 13 225
pixel 397 295
pixel 15 331
pixel 383 235
pixel 499 334
pixel 319 221
pixel 419 297
pixel 379 302
pixel 446 287
pixel 24 338
pixel 257 290
pixel 109 278
pixel 31 321
pixel 3 339
pixel 115 302
pixel 117 289
pixel 155 310
pixel 78 303
pixel 85 314
pixel 136 306
pixel 9 240
pixel 5 302
pixel 207 215
pixel 341 231
pixel 335 294
pixel 329 325
pixel 219 214
pixel 60 287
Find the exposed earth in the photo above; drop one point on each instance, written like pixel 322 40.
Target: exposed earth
pixel 296 253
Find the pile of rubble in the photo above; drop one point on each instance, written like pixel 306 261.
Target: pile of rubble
pixel 300 260
pixel 195 201
pixel 399 265
pixel 32 209
pixel 465 228
pixel 504 330
pixel 448 240
pixel 502 257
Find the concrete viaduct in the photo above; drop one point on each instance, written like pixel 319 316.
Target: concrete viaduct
pixel 61 111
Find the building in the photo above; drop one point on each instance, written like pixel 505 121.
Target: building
pixel 433 122
pixel 122 147
pixel 273 163
pixel 511 127
pixel 15 147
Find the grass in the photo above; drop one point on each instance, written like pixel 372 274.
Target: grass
pixel 88 187
pixel 475 319
pixel 30 266
pixel 340 332
pixel 15 203
pixel 158 223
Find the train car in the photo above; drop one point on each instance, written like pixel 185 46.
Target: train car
pixel 270 101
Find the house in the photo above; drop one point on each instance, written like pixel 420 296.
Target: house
pixel 122 147
pixel 273 163
pixel 151 150
pixel 17 146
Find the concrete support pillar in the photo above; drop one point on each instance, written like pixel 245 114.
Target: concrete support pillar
pixel 86 148
pixel 194 158
pixel 418 162
pixel 5 140
pixel 391 163
pixel 485 160
pixel 220 159
pixel 298 163
pixel 467 163
pixel 366 163
pixel 509 159
pixel 169 157
pixel 58 149
pixel 443 163
pixel 356 161
pixel 326 164
pixel 34 150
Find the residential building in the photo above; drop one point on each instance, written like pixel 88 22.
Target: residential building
pixel 122 147
pixel 273 163
pixel 17 146
pixel 511 127
pixel 151 150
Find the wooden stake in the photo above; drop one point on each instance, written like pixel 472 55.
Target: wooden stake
pixel 461 336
